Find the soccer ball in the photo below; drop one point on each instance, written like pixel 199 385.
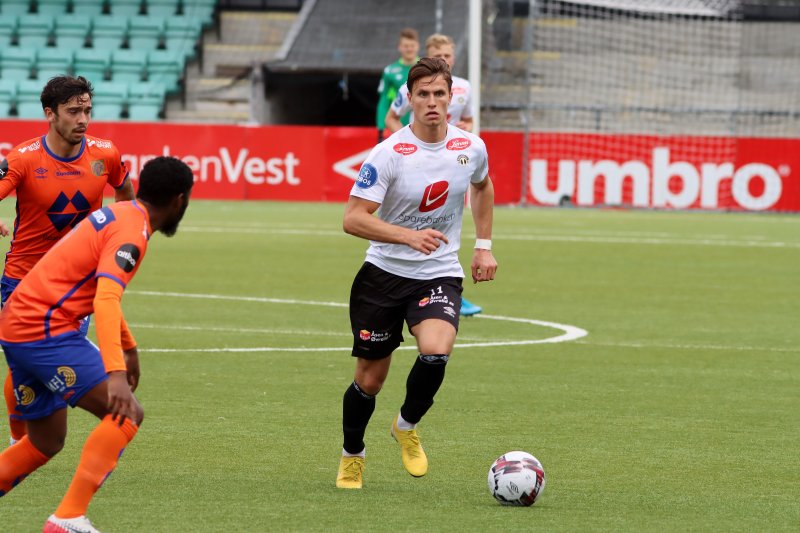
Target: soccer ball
pixel 516 478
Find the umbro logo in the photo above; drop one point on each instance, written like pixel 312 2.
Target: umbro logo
pixel 40 172
pixel 435 196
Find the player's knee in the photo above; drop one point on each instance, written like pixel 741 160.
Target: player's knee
pixel 138 416
pixel 370 384
pixel 49 445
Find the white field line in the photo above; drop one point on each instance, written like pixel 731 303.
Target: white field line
pixel 613 238
pixel 569 332
pixel 694 347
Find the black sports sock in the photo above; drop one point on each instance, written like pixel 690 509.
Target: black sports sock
pixel 424 380
pixel 357 408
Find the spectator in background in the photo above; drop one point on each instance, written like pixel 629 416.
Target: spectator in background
pixel 394 76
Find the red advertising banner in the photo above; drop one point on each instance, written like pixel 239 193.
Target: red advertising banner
pixel 299 163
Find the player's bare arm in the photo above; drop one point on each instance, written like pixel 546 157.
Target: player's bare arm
pixel 484 265
pixel 465 124
pixel 122 403
pixel 132 364
pixel 359 221
pixel 124 193
pixel 393 121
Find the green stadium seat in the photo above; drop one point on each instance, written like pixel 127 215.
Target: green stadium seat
pixel 163 8
pixel 34 30
pixel 146 32
pixel 109 100
pixel 145 101
pixel 54 8
pixel 51 62
pixel 128 65
pixel 14 7
pixel 109 32
pixel 88 8
pixel 72 31
pixel 8 28
pixel 16 62
pixel 29 104
pixel 92 63
pixel 200 9
pixel 125 8
pixel 165 67
pixel 8 96
pixel 181 35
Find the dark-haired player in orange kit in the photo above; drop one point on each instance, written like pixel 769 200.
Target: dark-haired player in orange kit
pixel 59 179
pixel 54 365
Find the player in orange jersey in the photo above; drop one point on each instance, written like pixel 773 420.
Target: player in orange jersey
pixel 54 365
pixel 59 179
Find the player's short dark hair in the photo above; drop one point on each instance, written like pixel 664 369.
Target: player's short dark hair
pixel 409 33
pixel 429 66
pixel 162 179
pixel 62 89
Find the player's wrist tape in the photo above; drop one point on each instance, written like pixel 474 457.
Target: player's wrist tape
pixel 483 244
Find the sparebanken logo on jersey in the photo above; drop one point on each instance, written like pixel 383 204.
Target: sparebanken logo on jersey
pixel 405 148
pixel 459 143
pixel 435 196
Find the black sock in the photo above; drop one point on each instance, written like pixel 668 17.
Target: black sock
pixel 357 408
pixel 423 381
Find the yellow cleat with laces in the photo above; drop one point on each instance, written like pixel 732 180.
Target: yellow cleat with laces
pixel 414 459
pixel 351 473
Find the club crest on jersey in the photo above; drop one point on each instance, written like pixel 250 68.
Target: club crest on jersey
pixel 127 256
pixel 405 148
pixel 462 159
pixel 435 196
pixel 459 143
pixel 367 176
pixel 98 167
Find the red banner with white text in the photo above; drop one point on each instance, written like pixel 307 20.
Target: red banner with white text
pixel 305 163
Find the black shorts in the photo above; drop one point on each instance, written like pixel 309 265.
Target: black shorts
pixel 380 302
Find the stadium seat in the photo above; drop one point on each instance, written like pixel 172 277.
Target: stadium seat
pixel 145 101
pixel 72 31
pixel 181 35
pixel 146 32
pixel 92 63
pixel 165 67
pixel 88 8
pixel 29 104
pixel 8 95
pixel 55 8
pixel 52 62
pixel 128 65
pixel 109 32
pixel 14 7
pixel 34 30
pixel 125 8
pixel 16 62
pixel 200 9
pixel 109 100
pixel 8 28
pixel 162 8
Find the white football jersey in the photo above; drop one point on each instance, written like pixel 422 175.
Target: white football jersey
pixel 460 106
pixel 421 185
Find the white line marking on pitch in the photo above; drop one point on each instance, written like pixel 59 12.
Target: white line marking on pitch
pixel 570 332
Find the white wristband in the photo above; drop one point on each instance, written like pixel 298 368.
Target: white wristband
pixel 483 244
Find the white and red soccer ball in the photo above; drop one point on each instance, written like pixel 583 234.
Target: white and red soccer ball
pixel 516 478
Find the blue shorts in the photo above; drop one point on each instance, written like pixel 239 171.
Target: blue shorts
pixel 7 286
pixel 52 373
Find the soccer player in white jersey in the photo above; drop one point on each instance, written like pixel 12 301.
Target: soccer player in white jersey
pixel 408 201
pixel 459 112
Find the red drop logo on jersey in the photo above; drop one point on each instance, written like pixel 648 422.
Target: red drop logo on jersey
pixel 459 143
pixel 405 148
pixel 424 302
pixel 365 334
pixel 435 196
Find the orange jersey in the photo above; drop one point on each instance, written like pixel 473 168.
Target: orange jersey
pixel 54 194
pixel 60 289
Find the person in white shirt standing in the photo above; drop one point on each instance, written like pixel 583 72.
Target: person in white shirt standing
pixel 408 201
pixel 459 113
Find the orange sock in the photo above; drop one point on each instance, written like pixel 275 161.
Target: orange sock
pixel 17 461
pixel 98 459
pixel 18 429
